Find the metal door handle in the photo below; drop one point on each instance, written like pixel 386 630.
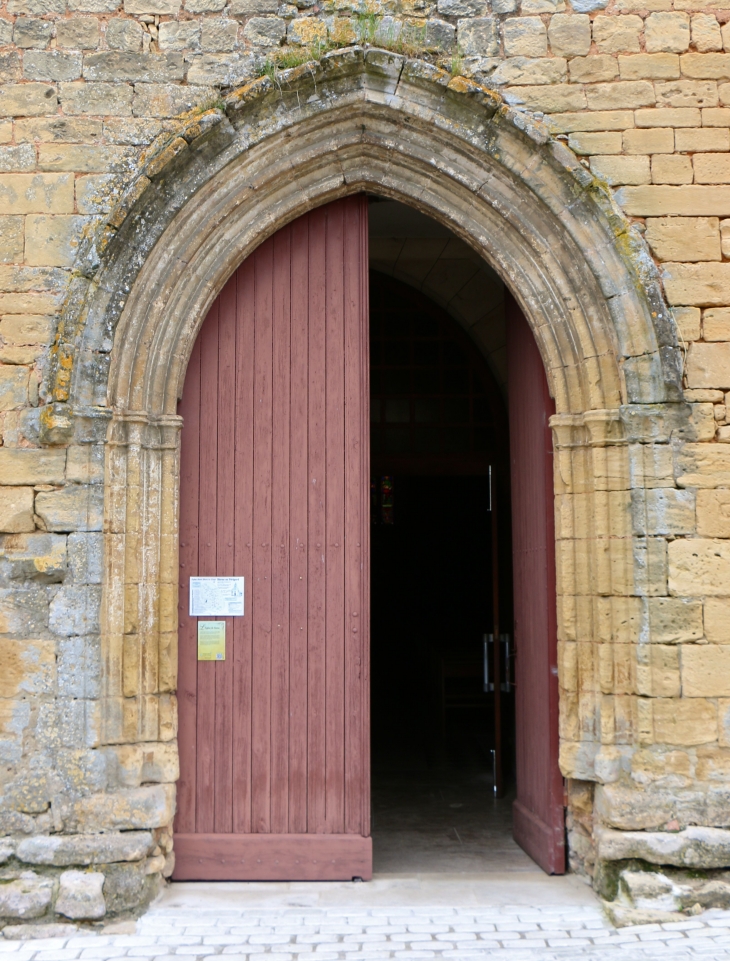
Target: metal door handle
pixel 488 641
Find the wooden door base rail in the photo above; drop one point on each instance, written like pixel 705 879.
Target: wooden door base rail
pixel 273 857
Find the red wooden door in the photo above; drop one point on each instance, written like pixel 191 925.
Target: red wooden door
pixel 274 740
pixel 538 813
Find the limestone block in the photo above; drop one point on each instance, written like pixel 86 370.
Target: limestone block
pixel 687 93
pixel 269 31
pixel 699 567
pixel 524 37
pixel 16 509
pixel 716 117
pixel 617 34
pixel 711 168
pixel 713 513
pixel 14 383
pixel 649 66
pixel 669 117
pixel 657 671
pixel 127 34
pixel 649 891
pixel 705 139
pixel 713 764
pixel 181 35
pixel 663 511
pixel 25 467
pixel 650 465
pixel 27 100
pixel 696 847
pixel 462 8
pixel 80 895
pixel 622 170
pixel 30 33
pixel 85 558
pixel 78 507
pixel 52 241
pixel 62 851
pixel 593 69
pixel 667 32
pixel 706 66
pixel 704 285
pixel 82 158
pixel 36 193
pixel 161 7
pixel 723 709
pixel 595 143
pixel 223 69
pixel 51 65
pixel 219 34
pixel 26 329
pixel 648 766
pixel 717 620
pixel 145 807
pixel 78 667
pixel 673 619
pixel 725 237
pixel 127 887
pixel 75 610
pixel 708 365
pixel 524 70
pixel 167 100
pixel 78 33
pixel 705 670
pixel 101 99
pixel 11 240
pixel 37 557
pixel 136 67
pixel 553 98
pixel 680 721
pixel 27 897
pixel 684 238
pixel 647 576
pixel 28 667
pixel 570 35
pixel 703 465
pixel 131 765
pixel 706 34
pixel 671 169
pixel 623 94
pixel 649 141
pixel 478 37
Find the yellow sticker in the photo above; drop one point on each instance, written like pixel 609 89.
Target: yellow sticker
pixel 211 640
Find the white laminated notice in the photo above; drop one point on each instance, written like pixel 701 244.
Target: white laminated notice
pixel 216 597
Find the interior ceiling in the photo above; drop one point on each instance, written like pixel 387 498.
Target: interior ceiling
pixel 411 247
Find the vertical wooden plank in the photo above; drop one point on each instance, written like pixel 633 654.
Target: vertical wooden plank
pixel 189 410
pixel 261 606
pixel 364 412
pixel 334 519
pixel 225 506
pixel 280 533
pixel 298 531
pixel 538 814
pixel 243 544
pixel 357 474
pixel 317 585
pixel 205 816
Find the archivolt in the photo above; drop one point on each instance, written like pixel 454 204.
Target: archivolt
pixel 363 121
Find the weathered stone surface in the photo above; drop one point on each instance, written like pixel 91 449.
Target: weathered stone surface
pixel 75 611
pixel 131 765
pixel 36 557
pixel 706 670
pixel 80 895
pixel 85 848
pixel 16 509
pixel 703 465
pixel 128 886
pixel 673 619
pixel 78 33
pixel 78 507
pixel 648 890
pixel 27 100
pixel 684 721
pixel 634 809
pixel 145 807
pixel 135 67
pixel 717 619
pixel 708 365
pixel 479 37
pixel 28 667
pixel 684 238
pixel 27 897
pixel 524 37
pixel 26 467
pixel 696 847
pixel 663 511
pixel 700 566
pixel 570 35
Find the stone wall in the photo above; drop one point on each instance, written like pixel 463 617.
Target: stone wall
pixel 89 93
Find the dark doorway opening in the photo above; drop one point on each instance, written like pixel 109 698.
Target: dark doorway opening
pixel 442 736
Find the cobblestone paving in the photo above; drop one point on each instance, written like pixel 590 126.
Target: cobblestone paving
pixel 353 934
